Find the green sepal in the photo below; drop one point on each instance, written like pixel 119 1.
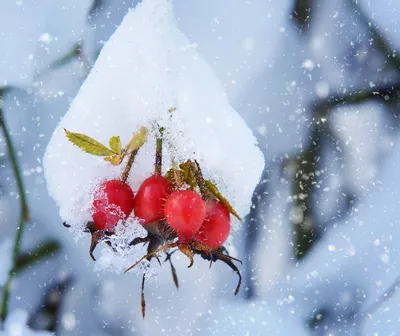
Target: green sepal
pixel 214 190
pixel 115 144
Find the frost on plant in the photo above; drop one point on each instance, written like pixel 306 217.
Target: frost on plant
pixel 149 76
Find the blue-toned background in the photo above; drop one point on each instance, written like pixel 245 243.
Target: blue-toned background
pixel 318 82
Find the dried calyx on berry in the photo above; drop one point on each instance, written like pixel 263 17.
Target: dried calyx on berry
pixel 179 210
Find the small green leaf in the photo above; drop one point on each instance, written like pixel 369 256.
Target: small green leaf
pixel 43 250
pixel 88 144
pixel 137 140
pixel 214 190
pixel 115 144
pixel 115 159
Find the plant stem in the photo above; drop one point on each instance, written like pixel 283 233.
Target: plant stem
pixel 128 167
pixel 383 92
pixel 158 163
pixel 24 215
pixel 159 145
pixel 40 252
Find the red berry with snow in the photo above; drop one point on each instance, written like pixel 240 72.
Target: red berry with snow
pixel 185 211
pixel 150 198
pixel 113 200
pixel 216 227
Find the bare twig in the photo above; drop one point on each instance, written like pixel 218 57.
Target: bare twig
pixel 308 160
pixel 75 53
pixel 24 214
pixel 385 92
pixel 378 38
pixel 378 303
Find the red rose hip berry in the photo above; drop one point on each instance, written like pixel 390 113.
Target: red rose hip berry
pixel 113 200
pixel 185 211
pixel 216 227
pixel 150 198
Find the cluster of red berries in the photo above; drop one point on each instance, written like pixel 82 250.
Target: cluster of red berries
pixel 179 210
pixel 191 217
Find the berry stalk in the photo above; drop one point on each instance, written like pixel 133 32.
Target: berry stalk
pixel 128 167
pixel 158 162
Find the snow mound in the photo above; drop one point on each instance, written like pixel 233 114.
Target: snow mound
pixel 146 68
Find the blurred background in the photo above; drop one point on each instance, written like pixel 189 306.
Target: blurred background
pixel 318 82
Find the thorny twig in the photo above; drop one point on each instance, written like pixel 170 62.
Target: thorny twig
pixel 24 214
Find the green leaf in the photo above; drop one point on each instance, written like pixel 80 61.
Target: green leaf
pixel 44 250
pixel 115 144
pixel 88 144
pixel 137 140
pixel 214 190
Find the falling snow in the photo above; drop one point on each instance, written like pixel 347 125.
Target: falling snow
pixel 301 107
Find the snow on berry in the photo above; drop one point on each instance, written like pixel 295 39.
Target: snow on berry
pixel 148 76
pixel 113 201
